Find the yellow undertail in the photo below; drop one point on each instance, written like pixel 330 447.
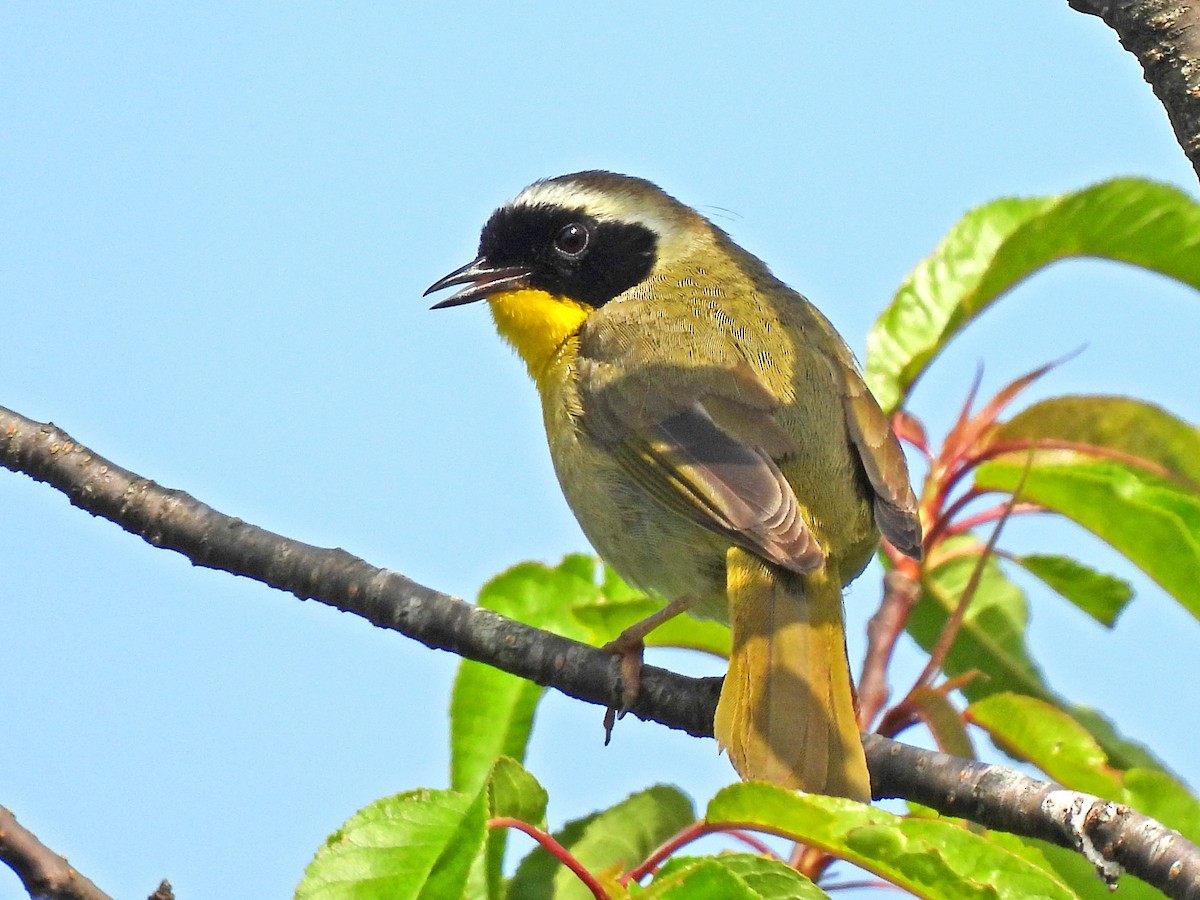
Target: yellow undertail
pixel 786 713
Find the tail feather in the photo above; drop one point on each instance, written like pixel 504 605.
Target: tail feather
pixel 787 712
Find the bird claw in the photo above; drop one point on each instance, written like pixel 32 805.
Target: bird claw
pixel 629 652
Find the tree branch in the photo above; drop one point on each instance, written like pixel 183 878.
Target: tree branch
pixel 43 872
pixel 1001 798
pixel 1164 35
pixel 994 796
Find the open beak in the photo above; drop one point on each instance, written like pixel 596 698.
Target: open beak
pixel 481 279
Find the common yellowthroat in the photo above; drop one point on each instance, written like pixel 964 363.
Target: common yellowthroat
pixel 714 438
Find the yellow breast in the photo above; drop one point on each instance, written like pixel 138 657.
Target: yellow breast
pixel 536 324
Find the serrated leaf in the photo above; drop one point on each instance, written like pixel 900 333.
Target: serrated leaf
pixel 740 875
pixel 617 606
pixel 698 879
pixel 930 858
pixel 1101 596
pixel 491 712
pixel 1152 520
pixel 1070 866
pixel 413 846
pixel 997 245
pixel 621 835
pixel 542 595
pixel 1130 426
pixel 770 879
pixel 1040 733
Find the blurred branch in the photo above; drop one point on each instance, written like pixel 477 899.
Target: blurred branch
pixel 994 796
pixel 1164 35
pixel 43 872
pixel 900 593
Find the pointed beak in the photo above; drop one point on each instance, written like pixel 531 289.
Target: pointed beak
pixel 481 279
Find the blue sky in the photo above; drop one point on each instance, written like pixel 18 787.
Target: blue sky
pixel 217 221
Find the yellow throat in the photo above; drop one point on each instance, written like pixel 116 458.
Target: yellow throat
pixel 537 324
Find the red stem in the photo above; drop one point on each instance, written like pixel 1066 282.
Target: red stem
pixel 1001 448
pixel 682 839
pixel 991 515
pixel 942 521
pixel 555 849
pixel 753 843
pixel 693 833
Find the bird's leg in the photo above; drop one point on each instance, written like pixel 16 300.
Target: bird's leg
pixel 629 646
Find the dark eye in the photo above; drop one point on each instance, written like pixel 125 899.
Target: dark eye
pixel 572 240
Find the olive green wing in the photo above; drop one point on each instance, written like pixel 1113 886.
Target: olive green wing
pixel 707 454
pixel 879 450
pixel 885 467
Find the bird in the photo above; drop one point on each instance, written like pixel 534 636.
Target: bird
pixel 714 437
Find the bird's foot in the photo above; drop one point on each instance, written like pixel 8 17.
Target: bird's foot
pixel 629 649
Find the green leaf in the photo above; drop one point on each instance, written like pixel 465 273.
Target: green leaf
pixel 1152 520
pixel 770 879
pixel 699 879
pixel 930 858
pixel 1040 733
pixel 617 606
pixel 414 845
pixel 742 875
pixel 1075 871
pixel 1070 866
pixel 1161 797
pixel 1124 753
pixel 491 715
pixel 1058 744
pixel 992 642
pixel 621 835
pixel 992 638
pixel 1062 748
pixel 491 712
pixel 1101 596
pixel 615 588
pixel 943 721
pixel 515 794
pixel 1129 426
pixel 995 246
pixel 607 618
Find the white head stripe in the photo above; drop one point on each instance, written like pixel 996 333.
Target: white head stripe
pixel 628 205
